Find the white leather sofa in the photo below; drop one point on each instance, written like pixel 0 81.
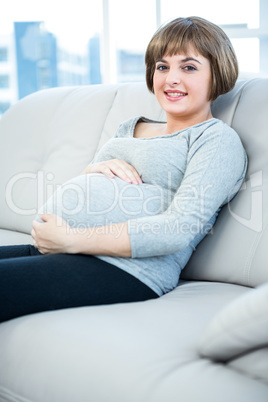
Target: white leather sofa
pixel 207 340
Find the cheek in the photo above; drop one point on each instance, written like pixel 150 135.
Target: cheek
pixel 158 79
pixel 203 87
pixel 156 87
pixel 209 82
pixel 155 82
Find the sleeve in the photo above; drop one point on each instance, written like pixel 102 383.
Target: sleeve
pixel 216 166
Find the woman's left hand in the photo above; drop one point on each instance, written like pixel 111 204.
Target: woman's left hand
pixel 53 236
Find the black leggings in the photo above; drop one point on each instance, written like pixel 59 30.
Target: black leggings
pixel 31 282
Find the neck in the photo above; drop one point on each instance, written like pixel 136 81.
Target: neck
pixel 174 124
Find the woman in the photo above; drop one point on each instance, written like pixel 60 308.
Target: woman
pixel 125 229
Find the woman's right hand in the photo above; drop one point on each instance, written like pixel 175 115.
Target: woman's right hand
pixel 115 167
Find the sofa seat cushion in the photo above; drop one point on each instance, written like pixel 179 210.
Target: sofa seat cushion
pixel 146 352
pixel 242 326
pixel 11 237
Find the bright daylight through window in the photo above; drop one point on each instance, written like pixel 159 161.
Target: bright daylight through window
pixel 49 44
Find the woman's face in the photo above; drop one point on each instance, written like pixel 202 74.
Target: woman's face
pixel 182 86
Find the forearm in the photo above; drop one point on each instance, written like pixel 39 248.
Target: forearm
pixel 110 240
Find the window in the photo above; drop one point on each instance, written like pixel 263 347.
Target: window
pixel 3 54
pixel 128 27
pixel 246 25
pixel 231 13
pixel 49 44
pixel 4 81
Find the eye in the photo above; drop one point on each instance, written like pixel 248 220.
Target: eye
pixel 161 67
pixel 189 68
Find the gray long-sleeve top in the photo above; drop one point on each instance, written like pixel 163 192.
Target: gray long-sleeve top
pixel 187 177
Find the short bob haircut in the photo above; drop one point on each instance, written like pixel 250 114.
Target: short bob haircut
pixel 209 40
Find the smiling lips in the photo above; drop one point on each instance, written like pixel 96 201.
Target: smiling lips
pixel 174 95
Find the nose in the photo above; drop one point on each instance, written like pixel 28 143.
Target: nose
pixel 173 77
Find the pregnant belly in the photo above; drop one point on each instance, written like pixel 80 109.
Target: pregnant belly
pixel 95 199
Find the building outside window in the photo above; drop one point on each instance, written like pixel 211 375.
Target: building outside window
pixel 4 81
pixel 3 54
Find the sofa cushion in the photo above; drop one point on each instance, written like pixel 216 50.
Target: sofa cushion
pixel 241 327
pixel 131 100
pixel 10 237
pixel 49 137
pixel 236 250
pixel 135 352
pixel 254 364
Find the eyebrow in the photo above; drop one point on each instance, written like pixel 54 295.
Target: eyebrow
pixel 182 61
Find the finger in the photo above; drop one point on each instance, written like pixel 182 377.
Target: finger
pixel 41 250
pixel 123 174
pixel 33 234
pixel 111 168
pixel 131 173
pixel 101 167
pixel 137 176
pixel 87 170
pixel 35 224
pixel 123 170
pixel 134 175
pixel 119 168
pixel 46 217
pixel 107 172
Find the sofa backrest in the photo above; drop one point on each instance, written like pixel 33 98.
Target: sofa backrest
pixel 50 136
pixel 237 249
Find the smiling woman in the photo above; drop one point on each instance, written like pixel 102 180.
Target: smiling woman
pixel 143 211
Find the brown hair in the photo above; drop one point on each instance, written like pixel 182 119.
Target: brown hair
pixel 209 40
